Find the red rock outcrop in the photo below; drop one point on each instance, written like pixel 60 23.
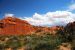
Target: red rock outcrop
pixel 12 25
pixel 51 30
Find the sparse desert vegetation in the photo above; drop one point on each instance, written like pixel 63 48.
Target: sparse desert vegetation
pixel 35 42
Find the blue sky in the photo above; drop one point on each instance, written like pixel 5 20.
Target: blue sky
pixel 40 12
pixel 29 7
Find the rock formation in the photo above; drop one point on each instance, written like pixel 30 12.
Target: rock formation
pixel 12 25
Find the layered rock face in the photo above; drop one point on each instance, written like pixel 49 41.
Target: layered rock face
pixel 48 30
pixel 12 25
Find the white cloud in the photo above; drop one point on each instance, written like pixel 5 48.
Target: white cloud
pixel 51 18
pixel 9 15
pixel 71 7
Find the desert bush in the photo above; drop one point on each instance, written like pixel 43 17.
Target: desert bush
pixel 32 42
pixel 46 42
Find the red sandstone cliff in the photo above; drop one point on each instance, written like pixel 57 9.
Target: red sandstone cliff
pixel 12 26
